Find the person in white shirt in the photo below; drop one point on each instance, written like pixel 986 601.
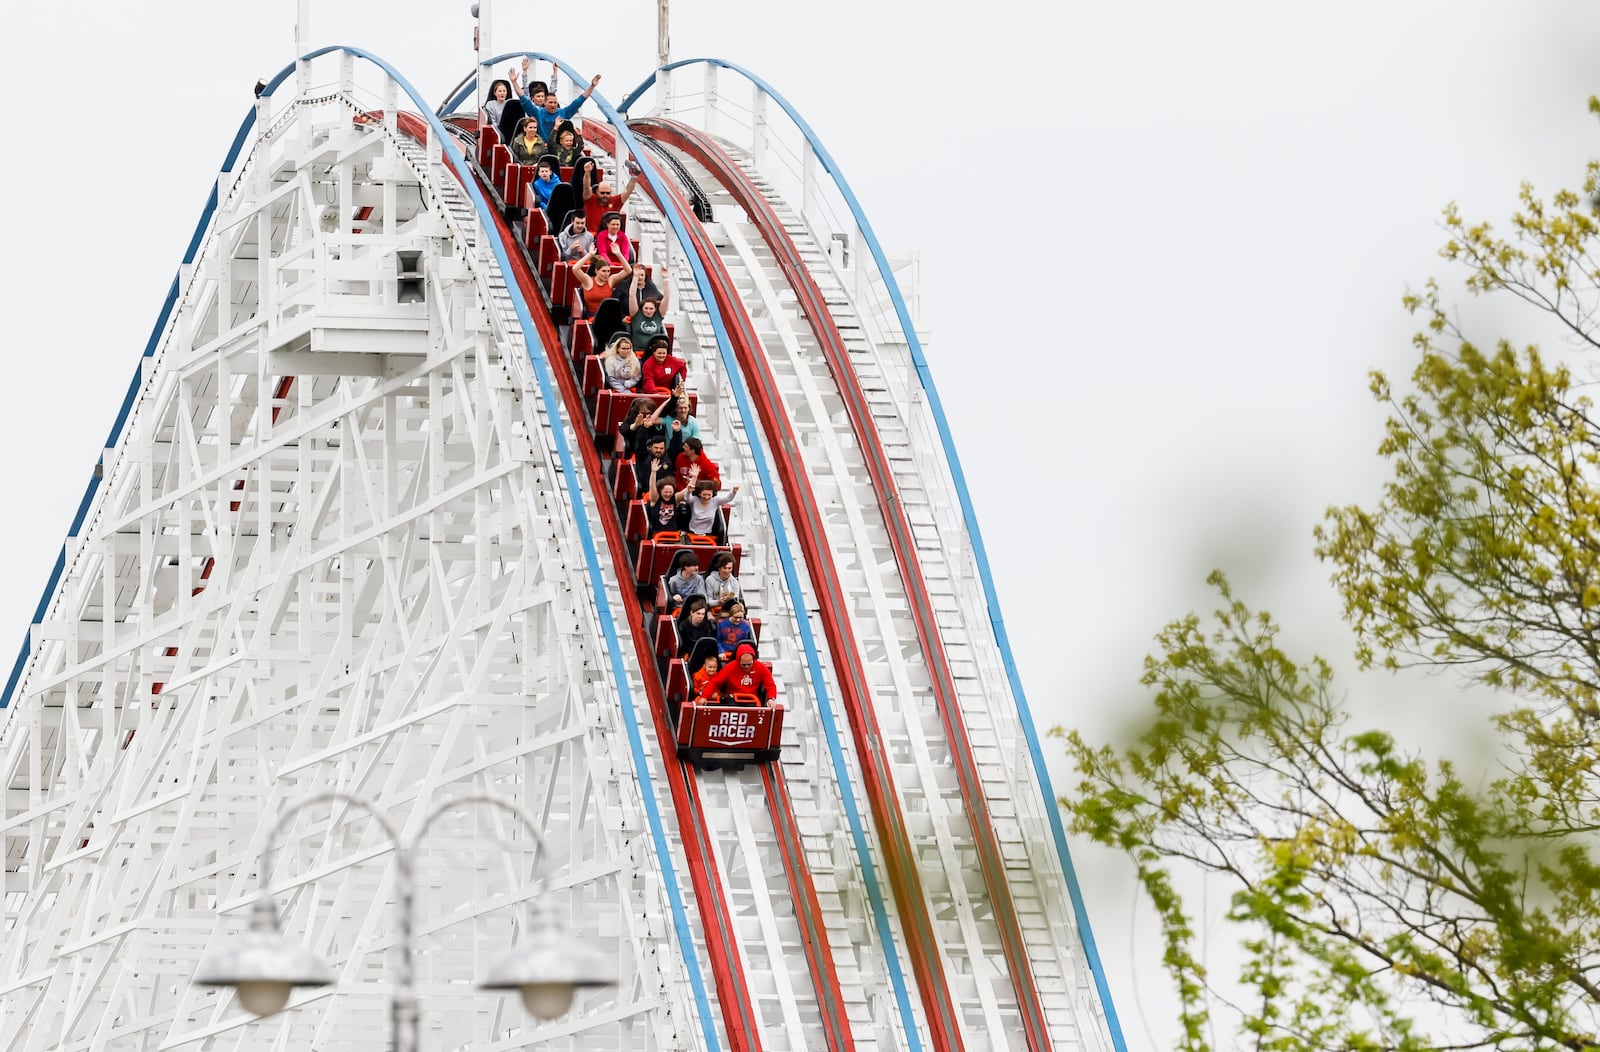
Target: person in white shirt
pixel 705 509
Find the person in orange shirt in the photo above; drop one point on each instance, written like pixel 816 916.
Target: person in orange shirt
pixel 707 670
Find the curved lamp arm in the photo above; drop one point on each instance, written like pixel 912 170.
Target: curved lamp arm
pixel 269 853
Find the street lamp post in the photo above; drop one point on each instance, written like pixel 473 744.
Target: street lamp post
pixel 546 967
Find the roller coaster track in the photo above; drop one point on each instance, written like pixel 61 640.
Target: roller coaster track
pixel 717 308
pixel 710 896
pixel 818 169
pixel 320 498
pixel 705 151
pixel 741 1018
pixel 851 662
pixel 717 313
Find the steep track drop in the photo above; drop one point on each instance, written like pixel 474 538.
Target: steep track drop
pixel 740 1016
pixel 708 154
pixel 901 862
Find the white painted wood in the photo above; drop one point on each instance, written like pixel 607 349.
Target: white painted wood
pixel 816 797
pixel 361 580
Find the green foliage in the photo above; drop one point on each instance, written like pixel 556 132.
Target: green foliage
pixel 1383 901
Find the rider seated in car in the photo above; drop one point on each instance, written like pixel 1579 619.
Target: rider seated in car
pixel 743 676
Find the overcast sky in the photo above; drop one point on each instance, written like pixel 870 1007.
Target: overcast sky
pixel 1189 226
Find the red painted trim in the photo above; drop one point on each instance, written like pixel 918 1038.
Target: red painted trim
pixel 716 918
pixel 767 733
pixel 900 860
pixel 808 912
pixel 714 159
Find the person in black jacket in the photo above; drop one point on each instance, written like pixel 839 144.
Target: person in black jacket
pixel 697 634
pixel 644 425
pixel 654 466
pixel 567 144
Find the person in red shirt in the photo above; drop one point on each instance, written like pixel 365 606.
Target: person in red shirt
pixel 693 464
pixel 598 200
pixel 663 372
pixel 743 675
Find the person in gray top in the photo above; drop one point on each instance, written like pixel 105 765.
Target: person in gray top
pixel 685 580
pixel 704 507
pixel 575 242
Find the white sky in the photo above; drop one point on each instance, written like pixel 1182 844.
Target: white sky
pixel 1191 222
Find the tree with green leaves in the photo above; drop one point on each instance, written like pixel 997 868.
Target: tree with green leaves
pixel 1385 899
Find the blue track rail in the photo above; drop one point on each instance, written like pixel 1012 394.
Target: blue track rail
pixel 762 461
pixel 968 513
pixel 123 413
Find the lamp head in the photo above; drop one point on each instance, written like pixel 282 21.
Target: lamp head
pixel 262 965
pixel 547 968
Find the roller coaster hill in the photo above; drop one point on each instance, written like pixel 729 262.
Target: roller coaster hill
pixel 365 524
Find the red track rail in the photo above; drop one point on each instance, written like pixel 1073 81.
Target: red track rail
pixel 739 1016
pixel 808 912
pixel 900 859
pixel 716 918
pixel 703 149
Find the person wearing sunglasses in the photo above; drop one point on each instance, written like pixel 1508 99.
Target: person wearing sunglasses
pixel 600 198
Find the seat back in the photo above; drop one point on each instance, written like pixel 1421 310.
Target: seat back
pixel 593 379
pixel 562 201
pixel 536 227
pixel 488 139
pixel 607 322
pixel 677 686
pixel 702 649
pixel 510 185
pixel 510 115
pixel 656 555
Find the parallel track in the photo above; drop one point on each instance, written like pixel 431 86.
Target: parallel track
pixel 901 861
pixel 711 156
